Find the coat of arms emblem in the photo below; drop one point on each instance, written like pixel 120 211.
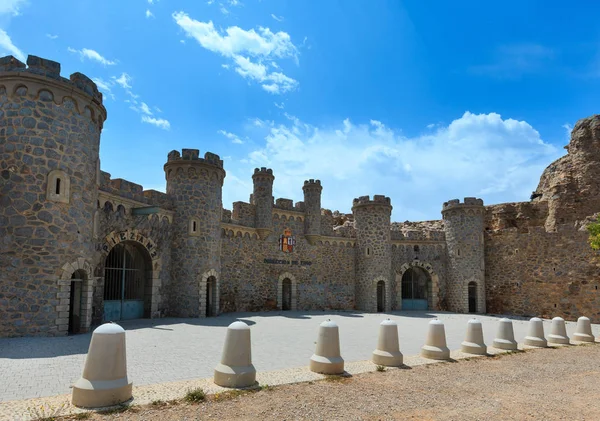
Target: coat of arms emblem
pixel 287 241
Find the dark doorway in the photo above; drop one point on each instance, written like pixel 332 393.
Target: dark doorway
pixel 75 301
pixel 416 285
pixel 286 294
pixel 472 297
pixel 380 296
pixel 211 297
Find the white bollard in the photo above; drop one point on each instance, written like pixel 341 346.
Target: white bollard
pixel 104 381
pixel 236 369
pixel 327 358
pixel 435 346
pixel 583 332
pixel 473 343
pixel 535 335
pixel 505 338
pixel 558 332
pixel 388 347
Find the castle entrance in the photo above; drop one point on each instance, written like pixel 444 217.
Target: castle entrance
pixel 75 301
pixel 125 272
pixel 415 287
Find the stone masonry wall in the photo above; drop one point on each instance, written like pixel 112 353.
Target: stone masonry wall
pixel 464 224
pixel 248 283
pixel 46 123
pixel 373 249
pixel 195 186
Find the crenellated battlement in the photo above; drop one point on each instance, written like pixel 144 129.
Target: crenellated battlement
pixel 312 184
pixel 193 156
pixel 263 172
pixel 41 79
pixel 378 200
pixel 469 202
pixel 129 190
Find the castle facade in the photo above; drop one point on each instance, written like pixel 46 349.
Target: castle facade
pixel 78 248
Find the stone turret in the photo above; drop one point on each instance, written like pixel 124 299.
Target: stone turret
pixel 373 250
pixel 262 199
pixel 464 225
pixel 49 153
pixel 195 187
pixel 312 210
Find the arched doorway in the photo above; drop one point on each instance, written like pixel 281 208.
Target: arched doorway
pixel 380 296
pixel 472 297
pixel 125 271
pixel 211 296
pixel 76 301
pixel 286 294
pixel 415 289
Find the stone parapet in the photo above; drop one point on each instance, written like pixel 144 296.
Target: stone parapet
pixel 469 202
pixel 378 200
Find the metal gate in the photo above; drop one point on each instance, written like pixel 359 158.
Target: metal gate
pixel 124 275
pixel 414 290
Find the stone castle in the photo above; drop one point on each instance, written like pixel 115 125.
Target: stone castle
pixel 78 248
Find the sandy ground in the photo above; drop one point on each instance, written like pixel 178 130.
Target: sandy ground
pixel 546 384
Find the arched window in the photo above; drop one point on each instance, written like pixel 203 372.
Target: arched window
pixel 58 187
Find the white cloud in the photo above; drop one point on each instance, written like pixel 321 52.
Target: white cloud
pixel 480 155
pixel 234 138
pixel 51 36
pixel 158 110
pixel 7 45
pixel 92 55
pixel 149 14
pixel 124 80
pixel 277 18
pixel 158 122
pixel 247 49
pixel 568 129
pixel 280 105
pixel 104 86
pixel 142 108
pixel 11 7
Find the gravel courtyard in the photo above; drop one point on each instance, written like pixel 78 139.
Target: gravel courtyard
pixel 168 350
pixel 545 384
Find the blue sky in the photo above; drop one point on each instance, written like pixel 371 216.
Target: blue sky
pixel 420 101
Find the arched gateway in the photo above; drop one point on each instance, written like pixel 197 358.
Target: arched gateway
pixel 418 286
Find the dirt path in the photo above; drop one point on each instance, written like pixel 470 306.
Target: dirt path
pixel 551 384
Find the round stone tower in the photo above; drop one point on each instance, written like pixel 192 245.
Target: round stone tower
pixel 373 253
pixel 262 199
pixel 312 210
pixel 464 225
pixel 195 185
pixel 49 149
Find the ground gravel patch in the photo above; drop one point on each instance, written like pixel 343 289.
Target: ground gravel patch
pixel 547 384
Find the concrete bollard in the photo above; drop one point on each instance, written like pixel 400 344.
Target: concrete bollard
pixel 104 380
pixel 327 358
pixel 473 343
pixel 558 332
pixel 435 346
pixel 583 332
pixel 505 338
pixel 388 348
pixel 535 335
pixel 236 369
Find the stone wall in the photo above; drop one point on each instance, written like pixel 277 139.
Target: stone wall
pixel 195 187
pixel 323 274
pixel 537 273
pixel 373 250
pixel 464 226
pixel 50 134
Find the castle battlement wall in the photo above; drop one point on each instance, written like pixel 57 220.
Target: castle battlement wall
pixel 377 200
pixel 456 204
